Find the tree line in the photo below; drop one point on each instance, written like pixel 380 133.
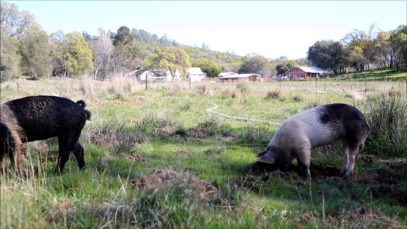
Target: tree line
pixel 27 50
pixel 360 50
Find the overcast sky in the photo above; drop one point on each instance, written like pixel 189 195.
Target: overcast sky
pixel 269 28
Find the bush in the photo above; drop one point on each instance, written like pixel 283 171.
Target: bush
pixel 273 95
pixel 387 117
pixel 297 98
pixel 255 135
pixel 213 127
pixel 118 137
pixel 157 124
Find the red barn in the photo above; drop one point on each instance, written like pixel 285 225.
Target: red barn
pixel 303 73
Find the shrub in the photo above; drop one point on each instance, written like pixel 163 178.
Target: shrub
pixel 297 98
pixel 213 127
pixel 255 135
pixel 157 124
pixel 117 137
pixel 387 117
pixel 273 95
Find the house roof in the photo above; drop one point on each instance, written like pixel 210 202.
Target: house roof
pixel 311 69
pixel 226 74
pixel 235 76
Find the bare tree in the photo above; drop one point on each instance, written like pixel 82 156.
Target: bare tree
pixel 102 49
pixel 14 22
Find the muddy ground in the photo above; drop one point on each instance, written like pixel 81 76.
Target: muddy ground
pixel 385 178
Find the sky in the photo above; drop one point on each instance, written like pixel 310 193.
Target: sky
pixel 269 28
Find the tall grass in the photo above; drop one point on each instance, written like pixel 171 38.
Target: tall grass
pixel 387 117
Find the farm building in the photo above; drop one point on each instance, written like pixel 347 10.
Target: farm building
pixel 226 74
pixel 196 74
pixel 239 77
pixel 155 75
pixel 303 73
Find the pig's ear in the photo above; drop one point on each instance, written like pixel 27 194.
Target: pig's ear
pixel 266 157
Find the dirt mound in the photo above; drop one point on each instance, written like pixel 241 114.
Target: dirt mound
pixel 167 177
pixel 397 193
pixel 384 180
pixel 317 171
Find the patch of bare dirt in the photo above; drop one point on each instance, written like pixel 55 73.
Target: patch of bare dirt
pixel 168 177
pixel 395 192
pixel 384 180
pixel 381 175
pixel 317 171
pixel 199 133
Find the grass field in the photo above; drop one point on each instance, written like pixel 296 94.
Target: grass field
pixel 383 75
pixel 157 159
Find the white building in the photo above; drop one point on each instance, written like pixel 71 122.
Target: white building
pixel 155 75
pixel 196 74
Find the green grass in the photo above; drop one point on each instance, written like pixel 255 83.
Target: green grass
pixel 135 132
pixel 386 75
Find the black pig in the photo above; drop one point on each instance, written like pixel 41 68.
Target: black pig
pixel 40 117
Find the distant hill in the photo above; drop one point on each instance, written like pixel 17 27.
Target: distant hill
pixel 146 42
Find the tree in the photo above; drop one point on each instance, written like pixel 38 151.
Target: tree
pixel 123 37
pixel 329 55
pixel 254 64
pixel 102 50
pixel 398 40
pixel 123 60
pixel 35 54
pixel 172 58
pixel 360 40
pixel 211 68
pixel 281 69
pixel 357 59
pixel 77 55
pixel 13 24
pixel 181 62
pixel 383 49
pixel 9 66
pixel 56 41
